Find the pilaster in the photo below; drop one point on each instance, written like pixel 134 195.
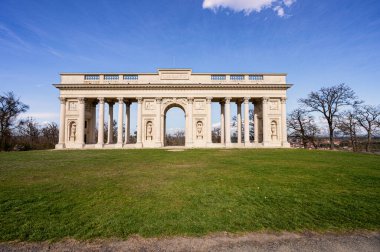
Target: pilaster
pixel 189 122
pixel 62 124
pixel 159 143
pixel 265 121
pixel 80 143
pixel 139 123
pixel 284 130
pixel 208 129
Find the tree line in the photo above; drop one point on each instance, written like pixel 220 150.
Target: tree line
pixel 345 115
pixel 23 134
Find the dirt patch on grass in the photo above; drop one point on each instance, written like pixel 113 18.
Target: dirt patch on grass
pixel 369 241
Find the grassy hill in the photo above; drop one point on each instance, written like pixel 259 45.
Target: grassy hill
pixel 116 193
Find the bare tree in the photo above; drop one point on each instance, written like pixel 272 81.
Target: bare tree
pixel 368 117
pixel 50 135
pixel 10 108
pixel 349 126
pixel 28 134
pixel 215 134
pixel 329 101
pixel 251 125
pixel 302 125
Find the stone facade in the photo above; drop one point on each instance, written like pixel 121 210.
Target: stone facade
pixel 83 97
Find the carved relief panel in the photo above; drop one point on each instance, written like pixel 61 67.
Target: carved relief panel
pixel 274 105
pixel 149 104
pixel 199 104
pixel 73 105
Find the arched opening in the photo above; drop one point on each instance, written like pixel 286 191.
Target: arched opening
pixel 174 126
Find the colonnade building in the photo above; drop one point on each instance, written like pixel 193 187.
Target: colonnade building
pixel 84 97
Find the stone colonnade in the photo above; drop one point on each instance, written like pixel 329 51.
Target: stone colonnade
pixel 78 121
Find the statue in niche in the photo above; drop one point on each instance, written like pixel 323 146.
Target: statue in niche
pixel 149 131
pixel 73 131
pixel 273 128
pixel 199 127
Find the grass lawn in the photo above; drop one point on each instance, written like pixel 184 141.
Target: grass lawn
pixel 48 195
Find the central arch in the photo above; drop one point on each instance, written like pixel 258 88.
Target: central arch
pixel 180 138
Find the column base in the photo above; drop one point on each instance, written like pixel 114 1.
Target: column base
pixel 99 146
pixel 119 145
pixel 285 144
pixel 60 146
pixel 247 144
pixel 159 145
pixel 228 145
pixel 139 145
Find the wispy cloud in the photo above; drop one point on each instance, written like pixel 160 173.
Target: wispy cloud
pixel 249 6
pixel 10 39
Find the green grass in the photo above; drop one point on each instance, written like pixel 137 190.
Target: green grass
pixel 49 195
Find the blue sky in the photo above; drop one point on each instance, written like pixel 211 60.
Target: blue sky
pixel 318 43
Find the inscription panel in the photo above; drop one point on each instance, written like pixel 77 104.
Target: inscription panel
pixel 175 76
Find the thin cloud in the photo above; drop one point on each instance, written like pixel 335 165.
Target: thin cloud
pixel 249 6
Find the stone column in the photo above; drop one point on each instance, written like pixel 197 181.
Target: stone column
pixel 228 121
pixel 120 123
pixel 265 121
pixel 284 130
pixel 101 124
pixel 256 124
pixel 208 128
pixel 189 123
pixel 81 122
pixel 158 122
pixel 110 123
pixel 139 126
pixel 238 104
pixel 62 124
pixel 93 122
pixel 127 121
pixel 222 123
pixel 162 123
pixel 246 121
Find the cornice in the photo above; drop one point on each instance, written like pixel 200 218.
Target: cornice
pixel 172 86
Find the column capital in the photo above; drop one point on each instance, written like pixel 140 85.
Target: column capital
pixel 227 99
pixel 81 100
pixel 265 100
pixel 208 99
pixel 62 100
pixel 283 100
pixel 120 100
pixel 139 100
pixel 190 100
pixel 158 100
pixel 101 100
pixel 246 100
